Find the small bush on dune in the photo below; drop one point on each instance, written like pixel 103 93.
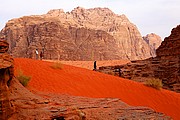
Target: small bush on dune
pixel 57 65
pixel 23 79
pixel 154 82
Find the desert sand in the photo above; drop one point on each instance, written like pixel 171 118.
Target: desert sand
pixel 89 64
pixel 83 82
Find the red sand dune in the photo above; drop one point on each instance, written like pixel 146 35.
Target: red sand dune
pixel 89 64
pixel 83 82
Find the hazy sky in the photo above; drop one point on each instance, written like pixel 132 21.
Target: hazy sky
pixel 150 16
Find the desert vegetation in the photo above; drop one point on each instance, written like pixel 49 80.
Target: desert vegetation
pixel 57 65
pixel 23 79
pixel 154 82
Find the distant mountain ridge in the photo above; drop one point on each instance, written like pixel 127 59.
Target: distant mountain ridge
pixel 82 34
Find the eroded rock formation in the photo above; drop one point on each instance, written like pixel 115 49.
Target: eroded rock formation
pixel 154 41
pixel 82 34
pixel 169 54
pixel 6 75
pixel 165 66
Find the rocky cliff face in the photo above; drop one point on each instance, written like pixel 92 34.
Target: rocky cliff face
pixel 165 66
pixel 82 34
pixel 169 53
pixel 6 75
pixel 171 45
pixel 154 41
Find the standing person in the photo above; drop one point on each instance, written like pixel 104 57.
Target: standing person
pixel 95 65
pixel 41 55
pixel 120 72
pixel 37 54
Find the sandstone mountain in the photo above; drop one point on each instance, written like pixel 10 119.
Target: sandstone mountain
pixel 153 40
pixel 82 34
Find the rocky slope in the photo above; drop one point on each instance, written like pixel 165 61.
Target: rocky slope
pixel 165 66
pixel 6 75
pixel 82 34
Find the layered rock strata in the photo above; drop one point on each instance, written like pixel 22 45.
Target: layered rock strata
pixel 165 66
pixel 82 34
pixel 6 75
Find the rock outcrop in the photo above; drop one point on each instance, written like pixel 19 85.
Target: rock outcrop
pixel 154 41
pixel 6 75
pixel 82 34
pixel 165 66
pixel 169 54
